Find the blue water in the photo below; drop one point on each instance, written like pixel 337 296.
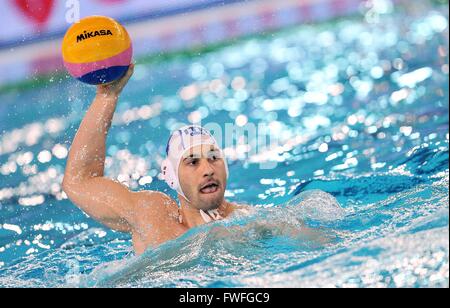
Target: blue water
pixel 359 197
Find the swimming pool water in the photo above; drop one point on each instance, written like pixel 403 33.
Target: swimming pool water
pixel 361 110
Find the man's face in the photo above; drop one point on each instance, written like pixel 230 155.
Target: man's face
pixel 202 177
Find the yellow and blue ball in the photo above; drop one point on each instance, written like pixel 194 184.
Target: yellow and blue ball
pixel 97 50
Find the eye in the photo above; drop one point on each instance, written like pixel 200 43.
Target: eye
pixel 213 156
pixel 192 162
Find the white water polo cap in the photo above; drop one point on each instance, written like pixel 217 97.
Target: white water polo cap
pixel 181 141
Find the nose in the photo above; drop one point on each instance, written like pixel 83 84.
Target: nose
pixel 206 168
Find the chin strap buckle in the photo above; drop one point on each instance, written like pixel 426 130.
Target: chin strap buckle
pixel 213 215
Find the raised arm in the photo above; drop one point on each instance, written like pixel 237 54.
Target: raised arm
pixel 105 200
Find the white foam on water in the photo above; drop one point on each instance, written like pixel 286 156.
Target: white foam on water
pixel 317 205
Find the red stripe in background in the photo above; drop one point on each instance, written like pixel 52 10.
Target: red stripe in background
pixel 304 12
pixel 231 28
pixel 268 19
pixel 38 11
pixel 46 65
pixel 198 33
pixel 339 6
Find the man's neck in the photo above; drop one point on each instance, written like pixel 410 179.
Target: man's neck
pixel 191 217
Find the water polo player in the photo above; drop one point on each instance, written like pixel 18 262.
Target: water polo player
pixel 195 167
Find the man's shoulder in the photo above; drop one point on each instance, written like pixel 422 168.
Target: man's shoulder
pixel 156 211
pixel 155 201
pixel 235 208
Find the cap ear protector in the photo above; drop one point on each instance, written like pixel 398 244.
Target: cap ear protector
pixel 168 174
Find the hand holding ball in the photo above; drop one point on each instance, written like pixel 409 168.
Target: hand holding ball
pixel 97 50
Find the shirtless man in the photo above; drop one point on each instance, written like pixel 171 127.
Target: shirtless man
pixel 195 168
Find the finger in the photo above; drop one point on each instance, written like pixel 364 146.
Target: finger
pixel 131 70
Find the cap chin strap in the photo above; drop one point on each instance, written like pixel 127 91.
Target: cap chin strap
pixel 213 215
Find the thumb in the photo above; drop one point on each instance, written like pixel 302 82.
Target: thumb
pixel 130 72
pixel 122 81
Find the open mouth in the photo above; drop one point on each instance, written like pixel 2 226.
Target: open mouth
pixel 210 188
